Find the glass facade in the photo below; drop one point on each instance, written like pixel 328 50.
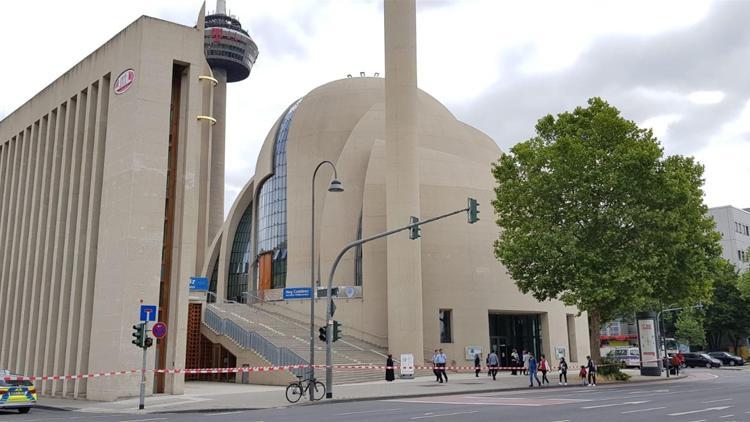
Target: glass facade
pixel 514 331
pixel 272 234
pixel 213 281
pixel 239 261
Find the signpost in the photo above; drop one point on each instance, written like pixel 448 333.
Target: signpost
pixel 297 293
pixel 159 330
pixel 198 284
pixel 148 313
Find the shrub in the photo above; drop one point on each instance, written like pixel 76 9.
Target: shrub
pixel 611 369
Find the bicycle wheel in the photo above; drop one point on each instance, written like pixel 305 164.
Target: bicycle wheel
pixel 318 390
pixel 293 392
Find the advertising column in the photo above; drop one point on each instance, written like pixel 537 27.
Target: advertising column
pixel 649 343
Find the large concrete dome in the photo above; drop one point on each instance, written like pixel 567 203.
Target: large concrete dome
pixel 344 122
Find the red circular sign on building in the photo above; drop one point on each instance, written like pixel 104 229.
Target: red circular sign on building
pixel 159 330
pixel 123 82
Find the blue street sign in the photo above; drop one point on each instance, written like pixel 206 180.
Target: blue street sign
pixel 199 284
pixel 148 313
pixel 297 293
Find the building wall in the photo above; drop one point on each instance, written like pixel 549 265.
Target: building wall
pixel 82 215
pixel 734 226
pixel 343 121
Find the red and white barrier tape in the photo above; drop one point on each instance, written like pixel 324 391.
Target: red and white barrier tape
pixel 198 371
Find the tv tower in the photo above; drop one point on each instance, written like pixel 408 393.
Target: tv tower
pixel 231 53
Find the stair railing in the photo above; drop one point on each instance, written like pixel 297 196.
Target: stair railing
pixel 250 340
pixel 302 319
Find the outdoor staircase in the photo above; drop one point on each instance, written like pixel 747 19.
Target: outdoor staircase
pixel 289 341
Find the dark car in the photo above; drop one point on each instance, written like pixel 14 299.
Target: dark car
pixel 701 359
pixel 727 358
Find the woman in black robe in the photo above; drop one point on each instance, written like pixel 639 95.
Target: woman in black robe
pixel 389 373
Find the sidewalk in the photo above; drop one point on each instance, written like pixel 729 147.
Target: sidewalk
pixel 216 397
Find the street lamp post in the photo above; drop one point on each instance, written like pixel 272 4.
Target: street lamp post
pixel 335 186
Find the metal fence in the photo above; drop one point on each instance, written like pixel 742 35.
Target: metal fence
pixel 250 340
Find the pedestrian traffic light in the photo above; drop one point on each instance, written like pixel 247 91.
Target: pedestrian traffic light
pixel 322 333
pixel 148 342
pixel 414 230
pixel 139 332
pixel 473 210
pixel 336 330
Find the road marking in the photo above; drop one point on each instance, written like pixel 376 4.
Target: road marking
pixel 440 415
pixel 725 416
pixel 366 411
pixel 225 413
pixel 715 401
pixel 699 411
pixel 643 410
pixel 615 404
pixel 143 420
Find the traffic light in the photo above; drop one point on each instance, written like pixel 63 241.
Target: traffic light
pixel 336 330
pixel 139 332
pixel 414 230
pixel 148 342
pixel 322 331
pixel 473 210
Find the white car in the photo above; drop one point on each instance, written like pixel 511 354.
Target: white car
pixel 631 356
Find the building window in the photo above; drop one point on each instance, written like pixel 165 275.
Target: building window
pixel 272 234
pixel 446 317
pixel 239 261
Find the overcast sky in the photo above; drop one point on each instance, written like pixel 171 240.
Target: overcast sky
pixel 679 67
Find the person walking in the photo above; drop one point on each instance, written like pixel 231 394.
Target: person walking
pixel 563 371
pixel 514 362
pixel 389 372
pixel 477 365
pixel 532 372
pixel 544 368
pixel 440 362
pixel 525 358
pixel 582 374
pixel 434 366
pixel 591 369
pixel 492 363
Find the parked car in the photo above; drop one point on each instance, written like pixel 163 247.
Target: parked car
pixel 630 356
pixel 727 358
pixel 701 359
pixel 14 394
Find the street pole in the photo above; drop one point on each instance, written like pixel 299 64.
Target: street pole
pixel 142 399
pixel 329 307
pixel 334 187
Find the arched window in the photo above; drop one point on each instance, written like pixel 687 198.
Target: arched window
pixel 239 261
pixel 272 234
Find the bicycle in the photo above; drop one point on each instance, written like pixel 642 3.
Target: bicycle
pixel 295 390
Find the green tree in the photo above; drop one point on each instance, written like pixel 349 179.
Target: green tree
pixel 689 329
pixel 593 214
pixel 728 314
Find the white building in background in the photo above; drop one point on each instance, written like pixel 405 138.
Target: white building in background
pixel 734 226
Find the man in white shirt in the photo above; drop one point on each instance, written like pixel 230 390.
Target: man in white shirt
pixel 526 358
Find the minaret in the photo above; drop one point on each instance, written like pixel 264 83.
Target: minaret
pixel 231 53
pixel 404 256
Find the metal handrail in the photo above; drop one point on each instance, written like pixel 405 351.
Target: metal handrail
pixel 254 298
pixel 277 356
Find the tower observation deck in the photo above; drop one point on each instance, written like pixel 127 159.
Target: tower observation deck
pixel 231 53
pixel 228 46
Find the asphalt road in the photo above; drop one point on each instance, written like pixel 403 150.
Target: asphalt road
pixel 707 395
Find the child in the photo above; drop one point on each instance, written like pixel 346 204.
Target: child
pixel 583 374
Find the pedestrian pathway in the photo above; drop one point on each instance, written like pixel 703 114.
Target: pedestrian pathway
pixel 216 396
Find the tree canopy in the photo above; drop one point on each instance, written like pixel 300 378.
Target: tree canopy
pixel 592 213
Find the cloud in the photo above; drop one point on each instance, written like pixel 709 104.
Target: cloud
pixel 680 72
